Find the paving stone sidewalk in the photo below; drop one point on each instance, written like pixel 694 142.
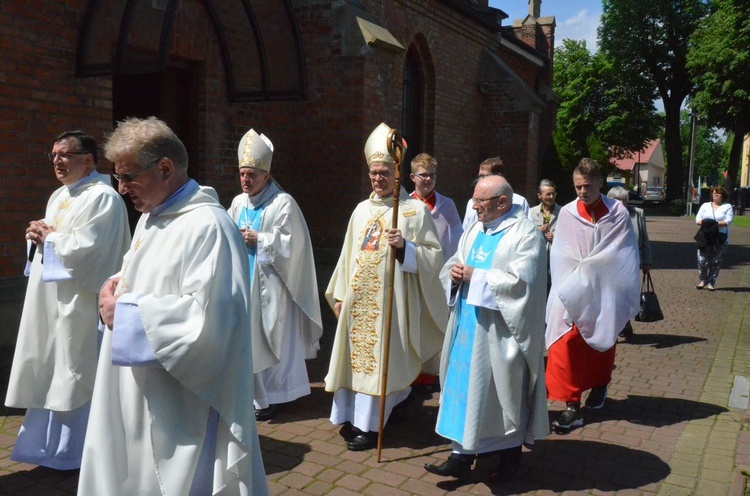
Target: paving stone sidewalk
pixel 667 428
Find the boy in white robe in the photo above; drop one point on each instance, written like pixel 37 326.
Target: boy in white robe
pixel 73 250
pixel 444 212
pixel 284 304
pixel 595 290
pixel 492 369
pixel 448 225
pixel 172 411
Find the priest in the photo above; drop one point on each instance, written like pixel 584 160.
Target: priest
pixel 172 411
pixel 284 305
pixel 492 369
pixel 72 251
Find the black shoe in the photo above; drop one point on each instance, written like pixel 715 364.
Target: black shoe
pixel 363 441
pixel 347 431
pixel 504 472
pixel 457 465
pixel 570 419
pixel 265 413
pixel 597 397
pixel 399 412
pixel 627 332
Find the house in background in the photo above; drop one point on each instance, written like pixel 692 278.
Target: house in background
pixel 745 163
pixel 641 170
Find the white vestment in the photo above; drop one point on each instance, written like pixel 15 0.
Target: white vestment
pixel 447 223
pixel 284 303
pixel 505 399
pixel 470 216
pixel 55 359
pixel 359 281
pixel 595 275
pixel 187 274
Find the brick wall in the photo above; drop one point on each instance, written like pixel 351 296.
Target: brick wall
pixel 319 140
pixel 39 98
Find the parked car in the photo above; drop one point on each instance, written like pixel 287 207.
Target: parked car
pixel 655 194
pixel 634 199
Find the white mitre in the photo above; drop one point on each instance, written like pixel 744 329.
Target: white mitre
pixel 376 148
pixel 255 151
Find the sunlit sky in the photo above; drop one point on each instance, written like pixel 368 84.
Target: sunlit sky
pixel 575 19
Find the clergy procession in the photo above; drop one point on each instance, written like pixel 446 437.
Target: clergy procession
pixel 146 362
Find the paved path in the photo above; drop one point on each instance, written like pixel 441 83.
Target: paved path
pixel 667 428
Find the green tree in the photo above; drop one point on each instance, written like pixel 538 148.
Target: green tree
pixel 719 63
pixel 649 40
pixel 603 112
pixel 711 153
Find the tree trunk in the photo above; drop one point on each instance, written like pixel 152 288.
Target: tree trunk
pixel 675 167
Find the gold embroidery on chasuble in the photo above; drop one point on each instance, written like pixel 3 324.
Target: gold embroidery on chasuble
pixel 123 285
pixel 62 207
pixel 365 308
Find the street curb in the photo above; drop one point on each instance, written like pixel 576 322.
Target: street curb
pixel 739 482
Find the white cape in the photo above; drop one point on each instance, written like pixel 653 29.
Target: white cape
pixel 595 275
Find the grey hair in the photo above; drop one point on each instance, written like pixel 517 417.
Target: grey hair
pixel 148 140
pixel 618 193
pixel 546 183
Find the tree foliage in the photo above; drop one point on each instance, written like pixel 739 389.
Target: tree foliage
pixel 603 112
pixel 719 63
pixel 649 40
pixel 711 152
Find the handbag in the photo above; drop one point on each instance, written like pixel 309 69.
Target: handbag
pixel 650 309
pixel 700 238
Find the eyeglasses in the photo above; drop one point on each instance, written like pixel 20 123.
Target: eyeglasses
pixel 63 155
pixel 384 174
pixel 425 177
pixel 128 177
pixel 482 200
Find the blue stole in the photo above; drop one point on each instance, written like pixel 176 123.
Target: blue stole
pixel 454 401
pixel 250 219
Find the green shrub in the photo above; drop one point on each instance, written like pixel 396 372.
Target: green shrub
pixel 677 207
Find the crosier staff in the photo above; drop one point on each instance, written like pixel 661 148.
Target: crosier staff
pixel 396 146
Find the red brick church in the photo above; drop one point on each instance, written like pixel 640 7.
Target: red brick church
pixel 316 76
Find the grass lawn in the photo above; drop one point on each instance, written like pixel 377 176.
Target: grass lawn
pixel 740 222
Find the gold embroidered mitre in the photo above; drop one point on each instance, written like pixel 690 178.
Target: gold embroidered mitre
pixel 376 148
pixel 255 151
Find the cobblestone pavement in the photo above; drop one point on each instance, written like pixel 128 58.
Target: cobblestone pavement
pixel 667 428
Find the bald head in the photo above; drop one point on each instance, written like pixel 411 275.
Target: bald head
pixel 492 198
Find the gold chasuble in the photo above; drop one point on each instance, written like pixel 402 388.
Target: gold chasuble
pixel 420 311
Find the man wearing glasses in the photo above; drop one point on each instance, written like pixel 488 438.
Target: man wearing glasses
pixel 444 213
pixel 491 167
pixel 284 304
pixel 79 243
pixel 492 373
pixel 357 294
pixel 172 411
